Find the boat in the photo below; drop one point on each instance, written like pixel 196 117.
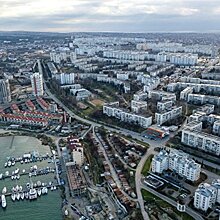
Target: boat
pixel 17 188
pixel 23 171
pixel 54 187
pixel 1 176
pixel 38 183
pixel 30 174
pixel 20 188
pixel 6 173
pixel 44 190
pixel 35 185
pixel 18 196
pixel 17 171
pixel 22 195
pixel 32 194
pixel 18 176
pixel 13 197
pixel 4 204
pixel 9 163
pixel 21 161
pixel 6 164
pixel 28 185
pixel 12 177
pixel 13 163
pixel 26 195
pixel 4 190
pixel 39 192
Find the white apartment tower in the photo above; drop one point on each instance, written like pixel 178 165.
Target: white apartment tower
pixel 5 94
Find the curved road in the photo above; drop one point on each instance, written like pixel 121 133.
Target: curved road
pixel 139 168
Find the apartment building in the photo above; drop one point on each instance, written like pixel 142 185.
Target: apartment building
pixel 176 161
pixel 164 105
pixel 216 128
pixel 160 162
pixel 113 110
pixel 37 84
pixel 216 184
pixel 67 78
pixel 203 99
pixel 168 115
pixel 201 140
pixel 205 196
pixel 138 106
pixel 159 95
pixel 207 109
pixel 5 93
pixel 122 76
pixel 184 94
pixel 76 150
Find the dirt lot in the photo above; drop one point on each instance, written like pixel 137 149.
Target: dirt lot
pixel 97 102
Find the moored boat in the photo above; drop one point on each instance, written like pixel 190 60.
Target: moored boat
pixel 32 194
pixel 13 197
pixel 39 192
pixel 22 195
pixel 18 196
pixel 4 204
pixel 26 195
pixel 4 190
pixel 44 190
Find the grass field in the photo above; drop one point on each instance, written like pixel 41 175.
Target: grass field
pixel 147 164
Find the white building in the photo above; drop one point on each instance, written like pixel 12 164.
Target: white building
pixel 168 115
pixel 76 151
pixel 216 184
pixel 176 161
pixel 113 110
pixel 216 128
pixel 201 140
pixel 37 84
pixel 184 94
pixel 138 106
pixel 159 95
pixel 81 94
pixel 160 162
pixel 205 196
pixel 5 93
pixel 67 78
pixel 164 105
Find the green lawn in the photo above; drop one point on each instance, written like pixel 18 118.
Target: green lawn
pixel 147 164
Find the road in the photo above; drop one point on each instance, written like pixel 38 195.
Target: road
pixel 112 169
pixel 152 145
pixel 189 211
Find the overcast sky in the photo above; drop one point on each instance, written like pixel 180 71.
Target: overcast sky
pixel 110 15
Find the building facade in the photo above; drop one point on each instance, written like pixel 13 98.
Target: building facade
pixel 5 93
pixel 37 84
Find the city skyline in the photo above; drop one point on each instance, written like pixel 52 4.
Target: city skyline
pixel 109 16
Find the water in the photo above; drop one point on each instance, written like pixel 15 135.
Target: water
pixel 46 207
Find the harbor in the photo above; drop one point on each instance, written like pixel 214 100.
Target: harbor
pixel 28 177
